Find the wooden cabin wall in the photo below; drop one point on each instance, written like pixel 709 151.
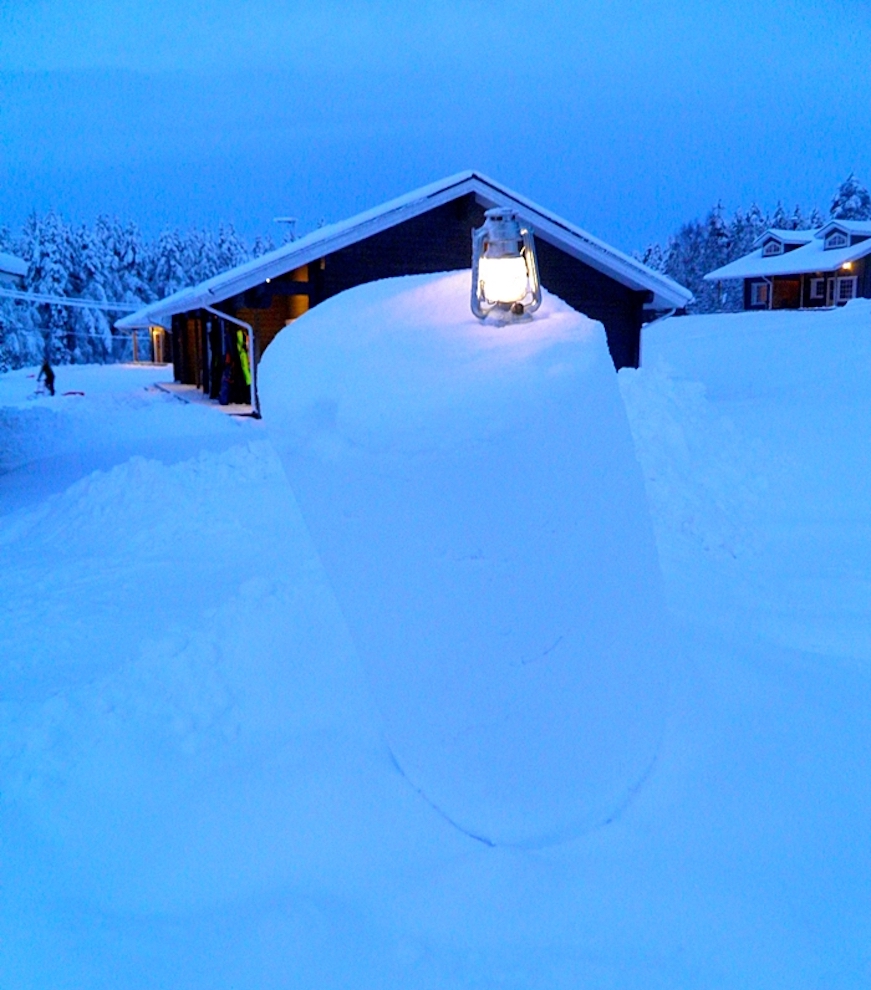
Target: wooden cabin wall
pixel 188 349
pixel 267 321
pixel 617 307
pixel 437 241
pixel 269 307
pixel 787 296
pixel 176 335
pixel 862 269
pixel 806 301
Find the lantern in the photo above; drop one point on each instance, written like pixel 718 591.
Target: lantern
pixel 504 268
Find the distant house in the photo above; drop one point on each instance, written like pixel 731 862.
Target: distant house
pixel 805 269
pixel 428 230
pixel 11 268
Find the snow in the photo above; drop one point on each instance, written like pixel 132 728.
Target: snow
pixel 195 787
pixel 10 265
pixel 473 493
pixel 771 455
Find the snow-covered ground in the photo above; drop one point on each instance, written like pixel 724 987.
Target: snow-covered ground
pixel 195 788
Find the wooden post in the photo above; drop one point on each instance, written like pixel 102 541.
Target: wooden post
pixel 135 348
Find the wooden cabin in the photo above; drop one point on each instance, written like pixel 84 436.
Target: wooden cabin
pixel 805 269
pixel 428 230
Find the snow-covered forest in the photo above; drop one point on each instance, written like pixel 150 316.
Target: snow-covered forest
pixel 106 261
pixel 702 245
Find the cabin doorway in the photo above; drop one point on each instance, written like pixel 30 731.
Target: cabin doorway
pixel 159 350
pixel 786 294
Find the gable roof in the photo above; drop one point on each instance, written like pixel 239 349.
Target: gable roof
pixel 861 227
pixel 785 236
pixel 667 294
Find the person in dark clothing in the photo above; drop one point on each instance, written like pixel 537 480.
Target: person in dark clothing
pixel 226 390
pixel 47 375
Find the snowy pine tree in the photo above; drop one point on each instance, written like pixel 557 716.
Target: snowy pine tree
pixel 263 245
pixel 21 342
pixel 745 228
pixel 50 251
pixel 780 218
pixel 851 201
pixel 653 257
pixel 230 250
pixel 815 220
pixel 166 265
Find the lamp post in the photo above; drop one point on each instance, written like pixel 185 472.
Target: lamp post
pixel 504 268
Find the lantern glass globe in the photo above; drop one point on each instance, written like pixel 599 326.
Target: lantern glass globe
pixel 503 280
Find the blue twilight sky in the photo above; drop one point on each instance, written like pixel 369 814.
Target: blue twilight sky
pixel 627 117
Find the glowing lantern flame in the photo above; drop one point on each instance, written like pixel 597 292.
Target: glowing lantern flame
pixel 504 268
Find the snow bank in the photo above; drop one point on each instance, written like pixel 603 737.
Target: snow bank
pixel 752 431
pixel 473 493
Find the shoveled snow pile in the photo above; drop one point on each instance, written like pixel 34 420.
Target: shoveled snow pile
pixel 473 493
pixel 195 784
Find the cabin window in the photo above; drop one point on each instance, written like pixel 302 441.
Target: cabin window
pixel 759 293
pixel 772 247
pixel 818 288
pixel 845 288
pixel 836 239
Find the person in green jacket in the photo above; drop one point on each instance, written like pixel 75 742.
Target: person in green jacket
pixel 243 357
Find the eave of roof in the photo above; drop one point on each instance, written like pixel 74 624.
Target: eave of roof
pixel 10 265
pixel 805 260
pixel 576 242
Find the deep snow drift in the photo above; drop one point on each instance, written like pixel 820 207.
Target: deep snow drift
pixel 473 493
pixel 755 436
pixel 194 785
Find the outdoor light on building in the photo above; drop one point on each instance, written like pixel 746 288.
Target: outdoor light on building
pixel 847 266
pixel 504 268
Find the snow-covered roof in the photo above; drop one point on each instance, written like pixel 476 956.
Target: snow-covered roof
pixel 811 257
pixel 12 266
pixel 785 236
pixel 548 226
pixel 860 227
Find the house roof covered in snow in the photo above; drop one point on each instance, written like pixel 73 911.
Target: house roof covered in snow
pixel 666 293
pixel 11 267
pixel 810 257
